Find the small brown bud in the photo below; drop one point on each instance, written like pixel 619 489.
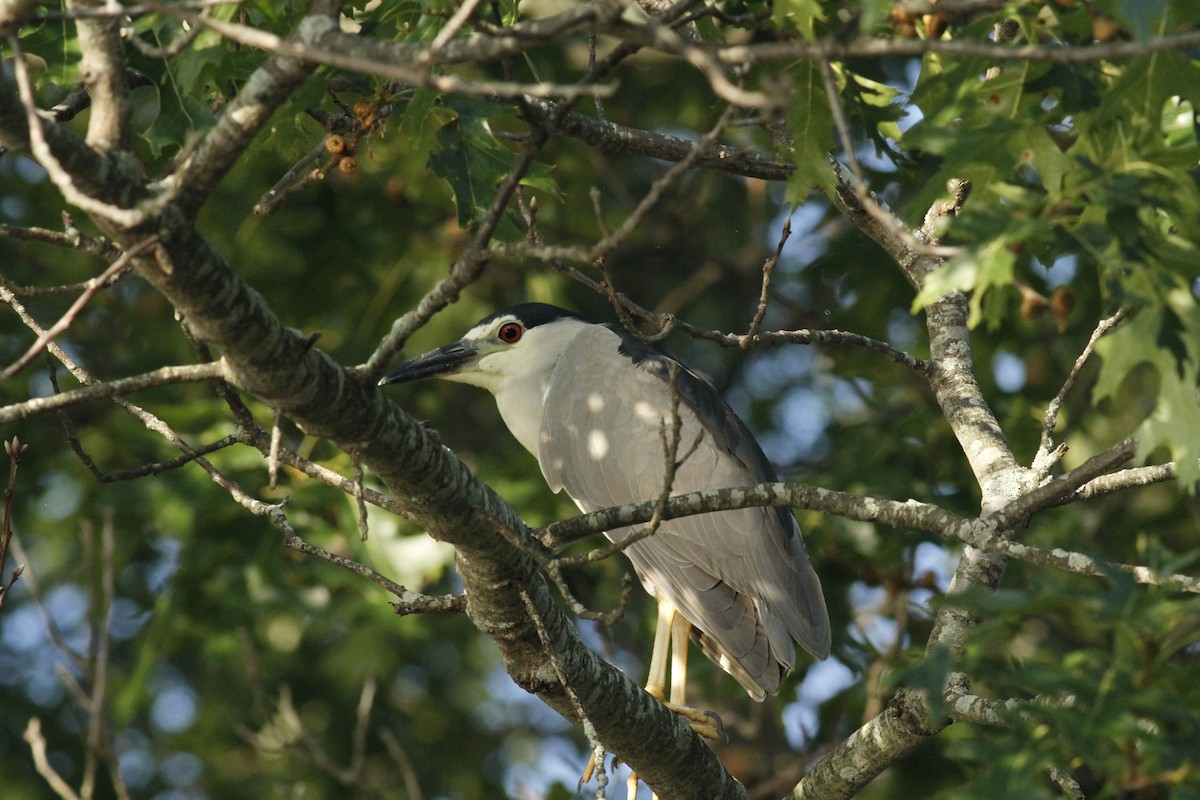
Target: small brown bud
pixel 1032 303
pixel 1062 303
pixel 348 165
pixel 335 144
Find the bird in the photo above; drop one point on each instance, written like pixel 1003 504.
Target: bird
pixel 597 408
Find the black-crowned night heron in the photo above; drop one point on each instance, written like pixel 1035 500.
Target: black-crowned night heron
pixel 591 402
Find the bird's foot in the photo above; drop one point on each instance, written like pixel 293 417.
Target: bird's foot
pixel 706 724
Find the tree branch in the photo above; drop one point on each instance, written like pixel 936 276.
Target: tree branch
pixel 190 373
pixel 102 70
pixel 268 87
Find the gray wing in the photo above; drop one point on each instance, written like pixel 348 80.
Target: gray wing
pixel 742 578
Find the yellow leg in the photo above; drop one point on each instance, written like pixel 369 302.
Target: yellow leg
pixel 681 629
pixel 656 682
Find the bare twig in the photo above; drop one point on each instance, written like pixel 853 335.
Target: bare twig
pixel 273 512
pixel 611 241
pixel 765 293
pixel 408 602
pixel 412 786
pixel 15 450
pixel 71 238
pixel 287 185
pixel 669 433
pixel 1050 494
pixel 174 48
pixel 360 504
pixel 449 30
pixel 613 138
pixel 273 451
pixel 1069 786
pixel 911 514
pixel 555 256
pixel 1045 458
pixel 165 376
pixel 37 747
pixel 90 288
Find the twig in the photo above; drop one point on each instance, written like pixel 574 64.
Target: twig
pixel 15 450
pixel 412 786
pixel 91 287
pixel 611 241
pixel 408 601
pixel 273 451
pixel 164 376
pixel 1082 564
pixel 1069 786
pixel 911 514
pixel 835 48
pixel 842 127
pixel 1125 479
pixel 671 464
pixel 1050 494
pixel 174 48
pixel 555 256
pixel 1044 460
pixel 37 747
pixel 362 723
pixel 765 293
pixel 448 32
pixel 359 503
pixel 254 436
pixel 613 138
pixel 866 199
pixel 284 187
pixel 96 246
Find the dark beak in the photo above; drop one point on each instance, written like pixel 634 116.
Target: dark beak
pixel 443 361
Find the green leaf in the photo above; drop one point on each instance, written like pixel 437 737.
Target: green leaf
pixel 975 271
pixel 473 162
pixel 810 123
pixel 1168 339
pixel 176 122
pixel 800 16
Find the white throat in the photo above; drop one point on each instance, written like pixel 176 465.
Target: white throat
pixel 520 376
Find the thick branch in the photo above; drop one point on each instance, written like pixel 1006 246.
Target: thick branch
pixel 102 70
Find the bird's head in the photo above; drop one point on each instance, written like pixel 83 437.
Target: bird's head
pixel 521 343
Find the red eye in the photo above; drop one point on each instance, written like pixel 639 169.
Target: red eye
pixel 510 332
